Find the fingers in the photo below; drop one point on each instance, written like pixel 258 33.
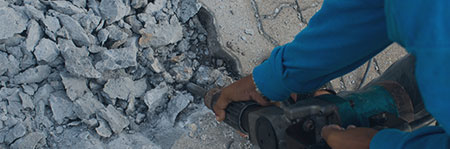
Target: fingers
pixel 220 106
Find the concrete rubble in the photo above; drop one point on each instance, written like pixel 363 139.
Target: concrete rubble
pixel 102 74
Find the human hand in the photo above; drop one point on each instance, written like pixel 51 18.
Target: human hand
pixel 350 138
pixel 242 90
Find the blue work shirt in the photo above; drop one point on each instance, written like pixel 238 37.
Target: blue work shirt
pixel 344 34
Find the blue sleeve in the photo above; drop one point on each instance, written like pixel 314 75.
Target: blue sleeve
pixel 339 38
pixel 425 34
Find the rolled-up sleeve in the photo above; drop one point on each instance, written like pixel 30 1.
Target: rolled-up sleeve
pixel 339 38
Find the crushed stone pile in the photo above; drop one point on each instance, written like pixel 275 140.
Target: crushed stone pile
pixel 102 74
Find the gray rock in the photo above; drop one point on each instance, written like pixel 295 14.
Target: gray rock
pixel 136 25
pixel 121 88
pixel 102 36
pixel 51 26
pixel 15 40
pixel 132 141
pixel 19 130
pixel 33 75
pixel 15 108
pixel 147 19
pixel 40 118
pixel 66 7
pixel 113 10
pixel 187 9
pixel 28 60
pixel 178 104
pixel 76 87
pixel 46 50
pixel 138 3
pixel 3 60
pixel 140 118
pixel 15 51
pixel 156 97
pixel 155 7
pixel 33 13
pixel 117 59
pixel 206 76
pixel 90 21
pixel 162 34
pixel 117 36
pixel 30 141
pixel 62 108
pixel 156 66
pixel 140 86
pixel 35 34
pixel 75 30
pixel 85 107
pixel 29 89
pixel 103 129
pixel 116 120
pixel 79 3
pixel 77 61
pixel 96 49
pixel 27 102
pixel 43 93
pixel 12 22
pixel 182 74
pixel 3 3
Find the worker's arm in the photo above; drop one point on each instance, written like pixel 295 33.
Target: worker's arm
pixel 339 38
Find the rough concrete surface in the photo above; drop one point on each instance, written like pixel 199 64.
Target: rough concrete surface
pixel 126 74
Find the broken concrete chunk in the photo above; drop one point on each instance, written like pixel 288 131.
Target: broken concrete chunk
pixel 12 22
pixel 162 34
pixel 27 102
pixel 103 129
pixel 187 9
pixel 78 62
pixel 156 97
pixel 5 62
pixel 120 88
pixel 33 75
pixel 43 93
pixel 66 7
pixel 116 120
pixel 178 104
pixel 30 89
pixel 90 21
pixel 138 3
pixel 147 19
pixel 96 49
pixel 46 50
pixel 79 3
pixel 15 108
pixel 33 13
pixel 182 74
pixel 102 36
pixel 3 3
pixel 117 36
pixel 156 6
pixel 156 66
pixel 75 30
pixel 19 130
pixel 30 141
pixel 35 34
pixel 117 59
pixel 113 10
pixel 85 107
pixel 51 26
pixel 62 108
pixel 28 60
pixel 76 87
pixel 140 86
pixel 136 25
